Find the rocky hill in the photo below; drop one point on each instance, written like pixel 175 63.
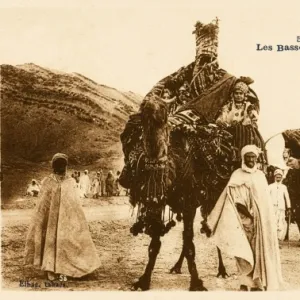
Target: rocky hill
pixel 46 111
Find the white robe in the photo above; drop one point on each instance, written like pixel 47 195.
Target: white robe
pixel 85 185
pixel 96 187
pixel 281 200
pixel 33 188
pixel 238 115
pixel 258 258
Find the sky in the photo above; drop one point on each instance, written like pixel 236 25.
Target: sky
pixel 131 45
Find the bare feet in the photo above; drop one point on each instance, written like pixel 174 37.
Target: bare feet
pixel 51 276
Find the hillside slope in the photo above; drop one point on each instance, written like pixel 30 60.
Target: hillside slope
pixel 46 111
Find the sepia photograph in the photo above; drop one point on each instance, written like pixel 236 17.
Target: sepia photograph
pixel 150 146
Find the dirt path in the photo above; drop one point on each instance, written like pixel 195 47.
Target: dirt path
pixel 15 217
pixel 124 257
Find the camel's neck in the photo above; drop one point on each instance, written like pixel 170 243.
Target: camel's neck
pixel 156 142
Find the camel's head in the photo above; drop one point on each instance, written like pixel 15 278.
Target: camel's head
pixel 154 115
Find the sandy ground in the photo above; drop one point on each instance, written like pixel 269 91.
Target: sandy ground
pixel 124 256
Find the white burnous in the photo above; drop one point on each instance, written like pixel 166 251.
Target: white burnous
pixel 243 225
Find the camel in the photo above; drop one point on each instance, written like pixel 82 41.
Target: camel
pixel 175 156
pixel 168 172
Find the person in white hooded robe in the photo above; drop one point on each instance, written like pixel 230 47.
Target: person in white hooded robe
pixel 281 202
pixel 33 188
pixel 243 225
pixel 84 184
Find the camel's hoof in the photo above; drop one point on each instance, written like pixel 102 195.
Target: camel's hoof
pixel 197 286
pixel 205 229
pixel 176 270
pixel 142 284
pixel 223 274
pixel 256 290
pixel 243 288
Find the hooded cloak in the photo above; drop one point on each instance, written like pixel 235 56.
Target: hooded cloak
pixel 59 239
pixel 250 237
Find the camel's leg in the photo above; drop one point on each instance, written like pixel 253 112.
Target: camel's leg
pixel 221 270
pixel 177 267
pixel 298 223
pixel 287 235
pixel 297 218
pixel 144 281
pixel 196 284
pixel 286 238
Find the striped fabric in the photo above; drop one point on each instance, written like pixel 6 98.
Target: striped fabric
pixel 187 117
pixel 173 82
pixel 206 39
pixel 206 71
pixel 247 135
pixel 210 103
pixel 205 76
pixel 208 88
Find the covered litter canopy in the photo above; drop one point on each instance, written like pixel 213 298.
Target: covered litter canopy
pixel 292 141
pixel 209 103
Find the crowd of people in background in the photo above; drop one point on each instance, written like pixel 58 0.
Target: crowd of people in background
pixel 96 184
pixel 33 189
pixel 90 185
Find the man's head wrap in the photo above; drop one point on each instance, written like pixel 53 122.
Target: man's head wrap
pixel 242 87
pixel 250 148
pixel 278 172
pixel 59 156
